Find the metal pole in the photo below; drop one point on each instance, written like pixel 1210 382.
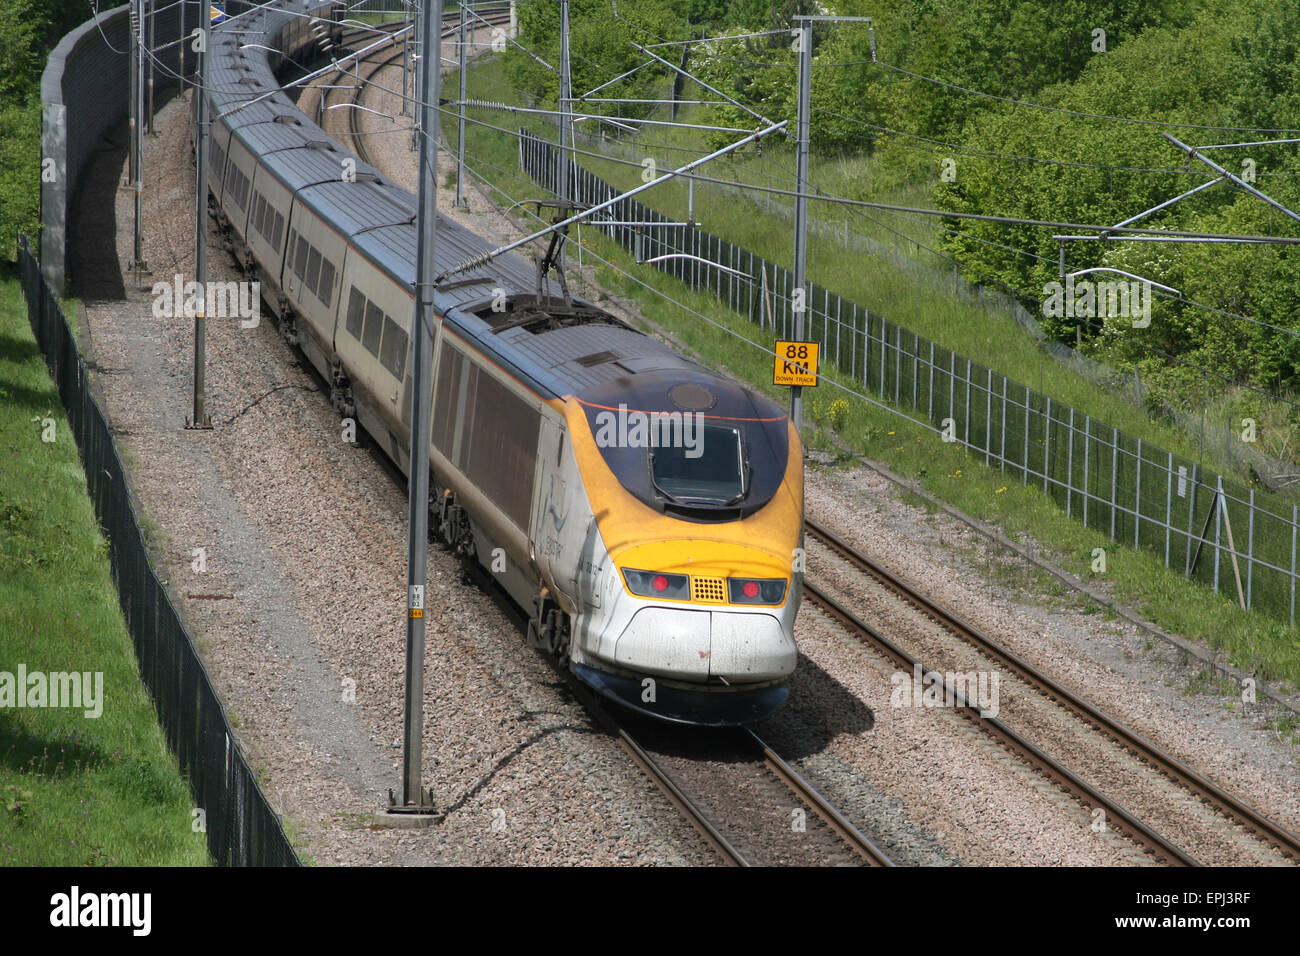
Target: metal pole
pixel 801 205
pixel 460 118
pixel 417 110
pixel 138 265
pixel 149 47
pixel 201 419
pixel 133 117
pixel 414 796
pixel 184 40
pixel 566 125
pixel 406 61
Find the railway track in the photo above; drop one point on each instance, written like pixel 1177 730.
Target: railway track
pixel 748 803
pixel 451 25
pixel 1282 843
pixel 728 783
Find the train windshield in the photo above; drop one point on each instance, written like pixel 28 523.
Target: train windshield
pixel 711 470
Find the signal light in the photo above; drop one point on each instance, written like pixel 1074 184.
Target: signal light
pixel 756 590
pixel 676 587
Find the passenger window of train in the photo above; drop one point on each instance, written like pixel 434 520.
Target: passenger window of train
pixel 313 268
pixel 394 352
pixel 356 311
pixel 279 231
pixel 374 327
pixel 326 288
pixel 300 264
pixel 259 211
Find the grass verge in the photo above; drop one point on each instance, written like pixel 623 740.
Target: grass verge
pixel 74 790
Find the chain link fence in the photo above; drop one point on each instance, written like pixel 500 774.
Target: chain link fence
pixel 1208 527
pixel 242 829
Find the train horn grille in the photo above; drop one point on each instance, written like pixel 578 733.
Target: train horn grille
pixel 709 590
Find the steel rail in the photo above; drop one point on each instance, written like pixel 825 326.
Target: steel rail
pixel 833 818
pixel 1046 765
pixel 1270 831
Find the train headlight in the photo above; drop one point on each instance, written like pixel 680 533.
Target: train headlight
pixel 756 590
pixel 653 584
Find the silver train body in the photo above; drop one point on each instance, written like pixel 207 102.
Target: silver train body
pixel 646 513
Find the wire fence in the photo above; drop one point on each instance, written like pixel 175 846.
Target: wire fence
pixel 1208 527
pixel 242 829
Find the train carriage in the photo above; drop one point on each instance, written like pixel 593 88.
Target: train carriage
pixel 644 511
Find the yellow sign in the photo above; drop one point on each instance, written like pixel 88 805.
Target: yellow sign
pixel 796 364
pixel 417 612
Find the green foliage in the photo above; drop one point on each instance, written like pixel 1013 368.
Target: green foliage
pixel 20 162
pixel 600 47
pixel 28 29
pixel 19 51
pixel 1010 48
pixel 1226 67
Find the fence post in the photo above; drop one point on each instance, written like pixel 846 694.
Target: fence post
pixel 916 368
pixel 1087 454
pixel 1218 525
pixel 930 405
pixel 1069 470
pixel 1250 549
pixel 988 419
pixel 1191 519
pixel 1114 477
pixel 1024 474
pixel 1002 430
pixel 1169 505
pixel 898 364
pixel 1047 442
pixel 966 431
pixel 839 329
pixel 1295 522
pixel 1137 498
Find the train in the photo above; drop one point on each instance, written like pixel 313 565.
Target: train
pixel 646 513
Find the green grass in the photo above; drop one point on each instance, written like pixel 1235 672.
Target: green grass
pixel 74 790
pixel 1249 640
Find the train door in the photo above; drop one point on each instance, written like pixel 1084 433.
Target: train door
pixel 550 505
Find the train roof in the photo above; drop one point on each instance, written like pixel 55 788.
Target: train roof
pixel 582 353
